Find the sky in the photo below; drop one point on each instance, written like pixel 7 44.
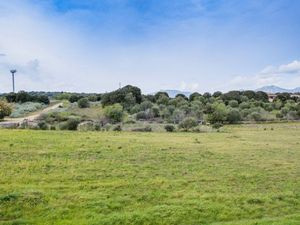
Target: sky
pixel 188 45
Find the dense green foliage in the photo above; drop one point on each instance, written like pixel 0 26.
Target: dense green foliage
pixel 245 175
pixel 128 104
pixel 23 96
pixel 127 96
pixel 114 113
pixel 83 103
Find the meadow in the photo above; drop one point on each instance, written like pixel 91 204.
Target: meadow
pixel 244 174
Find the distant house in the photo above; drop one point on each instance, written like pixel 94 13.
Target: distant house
pixel 271 97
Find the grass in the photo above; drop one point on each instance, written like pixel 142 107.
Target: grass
pixel 247 174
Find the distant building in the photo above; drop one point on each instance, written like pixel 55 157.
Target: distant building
pixel 271 97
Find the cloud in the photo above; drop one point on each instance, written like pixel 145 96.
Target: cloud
pixel 189 86
pixel 286 75
pixel 290 68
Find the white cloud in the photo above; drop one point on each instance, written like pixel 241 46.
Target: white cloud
pixel 184 86
pixel 290 68
pixel 286 75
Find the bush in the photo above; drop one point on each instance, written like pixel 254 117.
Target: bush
pixel 256 116
pixel 169 128
pixel 86 126
pixel 43 99
pixel 70 124
pixel 83 103
pixel 234 116
pixel 145 115
pixel 217 125
pixel 114 113
pixel 5 109
pixel 233 103
pixel 142 129
pixel 117 128
pixel 188 123
pixel 219 113
pixel 21 110
pixel 43 125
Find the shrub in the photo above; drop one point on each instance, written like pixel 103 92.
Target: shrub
pixel 86 126
pixel 145 115
pixel 233 103
pixel 217 125
pixel 114 113
pixel 234 116
pixel 117 128
pixel 70 124
pixel 25 108
pixel 169 128
pixel 142 129
pixel 83 103
pixel 219 113
pixel 43 99
pixel 5 109
pixel 256 116
pixel 188 123
pixel 43 125
pixel 75 98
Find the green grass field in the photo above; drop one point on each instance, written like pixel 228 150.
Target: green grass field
pixel 242 175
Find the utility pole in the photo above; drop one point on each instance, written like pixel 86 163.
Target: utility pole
pixel 13 79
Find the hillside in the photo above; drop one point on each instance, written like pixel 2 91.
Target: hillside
pixel 275 89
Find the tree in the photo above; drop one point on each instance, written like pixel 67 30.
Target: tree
pixel 255 116
pixel 114 113
pixel 219 113
pixel 231 95
pixel 217 94
pixel 73 98
pixel 178 115
pixel 5 109
pixel 11 97
pixel 43 99
pixel 119 95
pixel 233 103
pixel 129 101
pixel 261 96
pixel 188 123
pixel 161 93
pixel 22 97
pixel 283 97
pixel 193 96
pixel 234 116
pixel 182 96
pixel 249 94
pixel 83 103
pixel 206 95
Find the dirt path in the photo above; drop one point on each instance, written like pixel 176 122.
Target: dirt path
pixel 32 117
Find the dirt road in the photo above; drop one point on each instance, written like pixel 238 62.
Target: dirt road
pixel 32 117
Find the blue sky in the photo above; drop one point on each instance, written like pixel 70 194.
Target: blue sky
pixel 190 45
